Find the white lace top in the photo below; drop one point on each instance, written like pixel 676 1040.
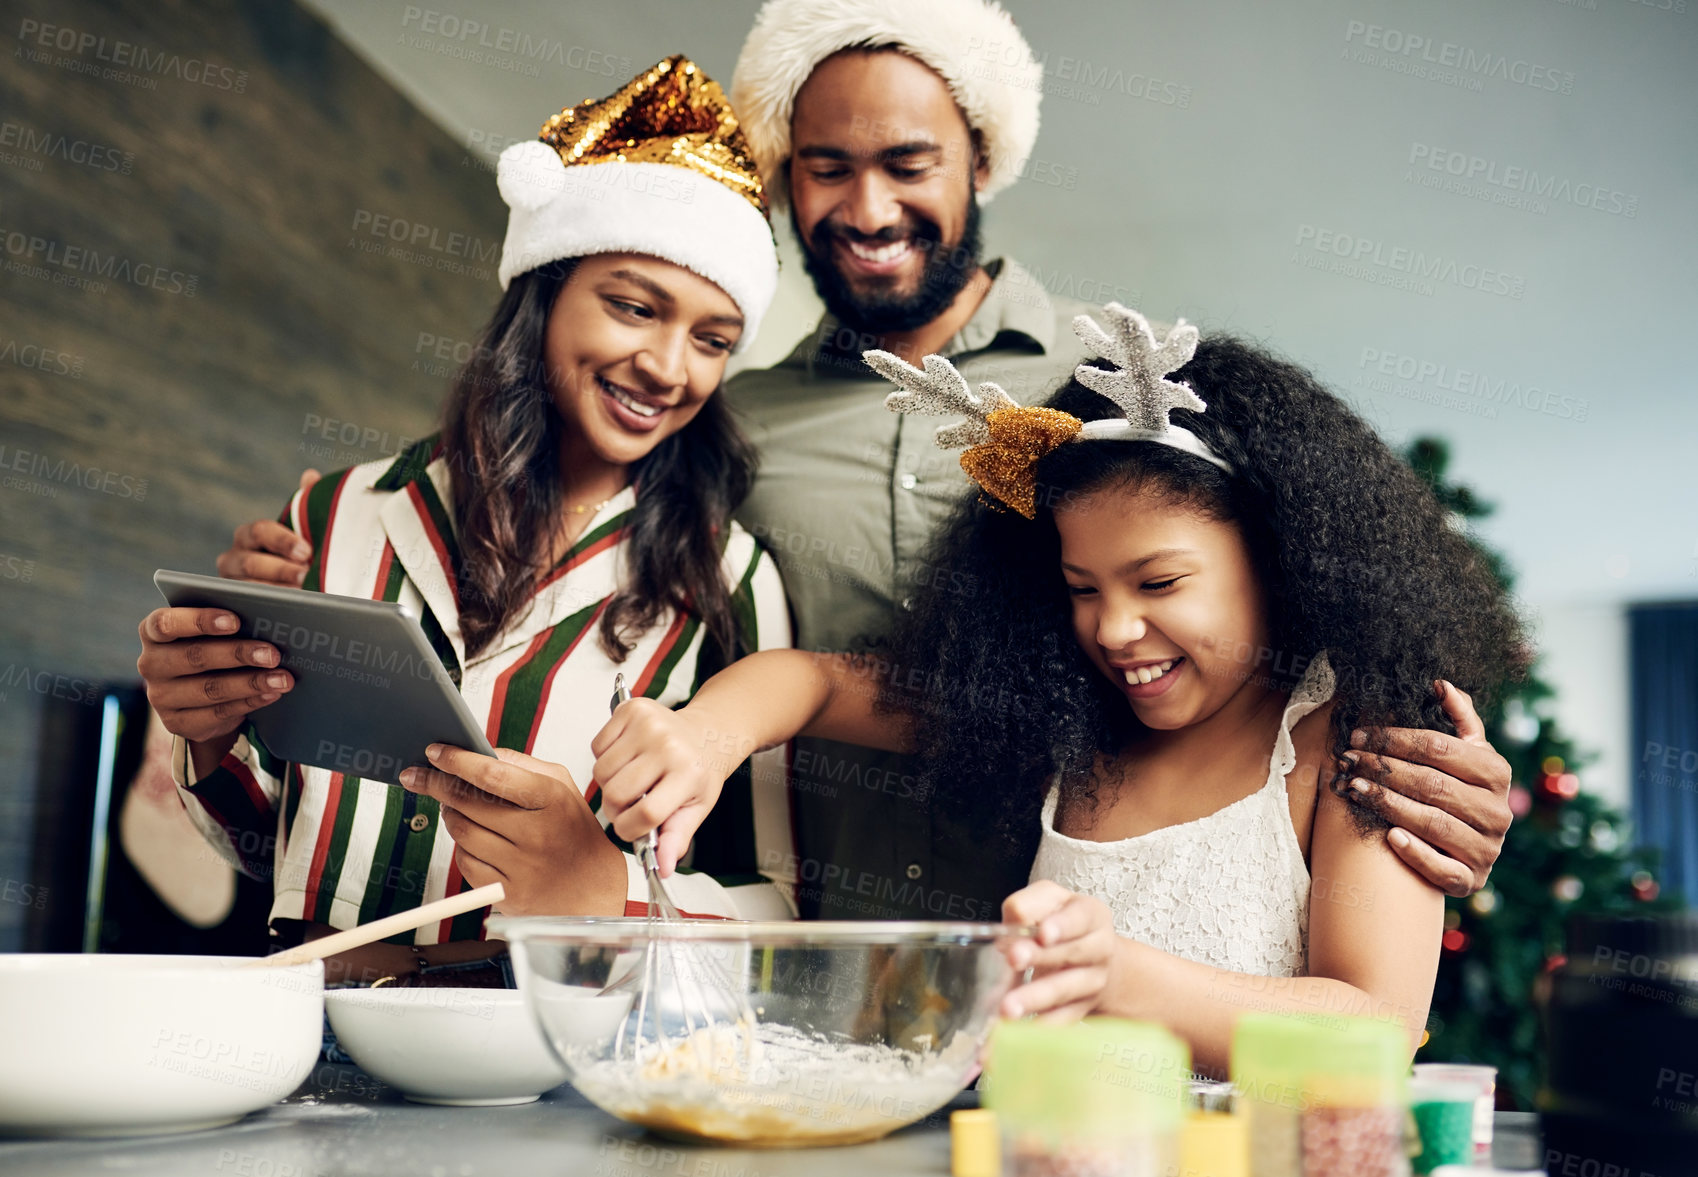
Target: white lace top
pixel 1229 890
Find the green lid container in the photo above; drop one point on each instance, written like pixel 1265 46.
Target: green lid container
pixel 1101 1077
pixel 1300 1062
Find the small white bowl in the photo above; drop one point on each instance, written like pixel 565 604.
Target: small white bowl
pixel 459 1047
pixel 125 1045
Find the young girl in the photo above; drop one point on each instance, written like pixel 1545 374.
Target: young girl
pixel 572 519
pixel 1177 630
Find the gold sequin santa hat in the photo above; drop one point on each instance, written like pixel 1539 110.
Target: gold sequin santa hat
pixel 660 167
pixel 973 45
pixel 1006 439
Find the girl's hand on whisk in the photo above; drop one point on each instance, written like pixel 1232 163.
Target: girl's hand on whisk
pixel 662 770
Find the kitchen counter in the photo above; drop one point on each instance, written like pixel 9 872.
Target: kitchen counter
pixel 342 1121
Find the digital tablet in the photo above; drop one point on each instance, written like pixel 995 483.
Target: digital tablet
pixel 369 691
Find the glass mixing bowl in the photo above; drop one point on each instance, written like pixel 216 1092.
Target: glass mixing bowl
pixel 765 1035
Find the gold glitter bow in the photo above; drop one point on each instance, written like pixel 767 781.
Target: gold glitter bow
pixel 1006 466
pixel 672 114
pixel 1005 440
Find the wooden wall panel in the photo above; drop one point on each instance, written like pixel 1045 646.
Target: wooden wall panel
pixel 190 290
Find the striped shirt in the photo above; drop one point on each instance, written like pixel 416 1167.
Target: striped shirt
pixel 344 851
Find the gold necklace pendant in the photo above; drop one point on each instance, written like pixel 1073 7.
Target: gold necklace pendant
pixel 588 509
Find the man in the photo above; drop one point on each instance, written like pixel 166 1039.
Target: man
pixel 886 124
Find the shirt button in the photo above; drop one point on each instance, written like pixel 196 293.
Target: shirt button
pixel 913 870
pixel 908 604
pixel 419 822
pixel 909 482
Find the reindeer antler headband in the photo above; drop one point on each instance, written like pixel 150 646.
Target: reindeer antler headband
pixel 1006 440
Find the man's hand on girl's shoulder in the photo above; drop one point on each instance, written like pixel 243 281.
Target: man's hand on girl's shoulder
pixel 1446 797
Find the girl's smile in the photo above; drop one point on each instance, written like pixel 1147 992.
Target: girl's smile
pixel 1147 680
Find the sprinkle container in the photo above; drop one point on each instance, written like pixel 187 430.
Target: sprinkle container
pixel 1444 1119
pixel 1325 1096
pixel 1484 1083
pixel 1100 1098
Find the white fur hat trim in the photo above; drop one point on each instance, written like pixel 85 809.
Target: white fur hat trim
pixel 972 44
pixel 662 210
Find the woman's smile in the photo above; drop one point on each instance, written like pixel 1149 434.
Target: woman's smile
pixel 629 409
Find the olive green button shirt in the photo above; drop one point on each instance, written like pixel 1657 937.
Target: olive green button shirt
pixel 848 498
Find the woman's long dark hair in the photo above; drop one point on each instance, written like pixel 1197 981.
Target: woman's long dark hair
pixel 501 440
pixel 1354 555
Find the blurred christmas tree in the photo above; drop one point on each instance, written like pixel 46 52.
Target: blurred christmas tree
pixel 1567 852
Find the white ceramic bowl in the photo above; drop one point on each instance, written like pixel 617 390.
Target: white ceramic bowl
pixel 461 1047
pixel 129 1045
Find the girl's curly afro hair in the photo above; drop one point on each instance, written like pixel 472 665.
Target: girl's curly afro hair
pixel 1355 555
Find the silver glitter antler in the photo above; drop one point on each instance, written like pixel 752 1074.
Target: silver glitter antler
pixel 1137 384
pixel 939 390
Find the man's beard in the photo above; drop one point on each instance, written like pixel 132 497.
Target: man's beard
pixel 946 272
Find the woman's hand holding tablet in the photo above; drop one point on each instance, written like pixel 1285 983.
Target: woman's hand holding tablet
pixel 203 680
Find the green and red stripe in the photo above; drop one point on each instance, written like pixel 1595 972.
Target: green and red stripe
pixel 433 517
pixel 319 518
pixel 540 707
pixel 315 904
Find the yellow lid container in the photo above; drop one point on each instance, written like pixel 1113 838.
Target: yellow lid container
pixel 1214 1144
pixel 975 1149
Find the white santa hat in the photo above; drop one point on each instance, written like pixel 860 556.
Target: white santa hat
pixel 659 168
pixel 973 45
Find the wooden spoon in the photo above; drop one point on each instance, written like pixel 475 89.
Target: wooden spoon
pixel 389 925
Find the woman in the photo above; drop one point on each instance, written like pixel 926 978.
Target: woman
pixel 572 518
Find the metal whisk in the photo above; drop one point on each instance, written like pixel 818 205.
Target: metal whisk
pixel 703 994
